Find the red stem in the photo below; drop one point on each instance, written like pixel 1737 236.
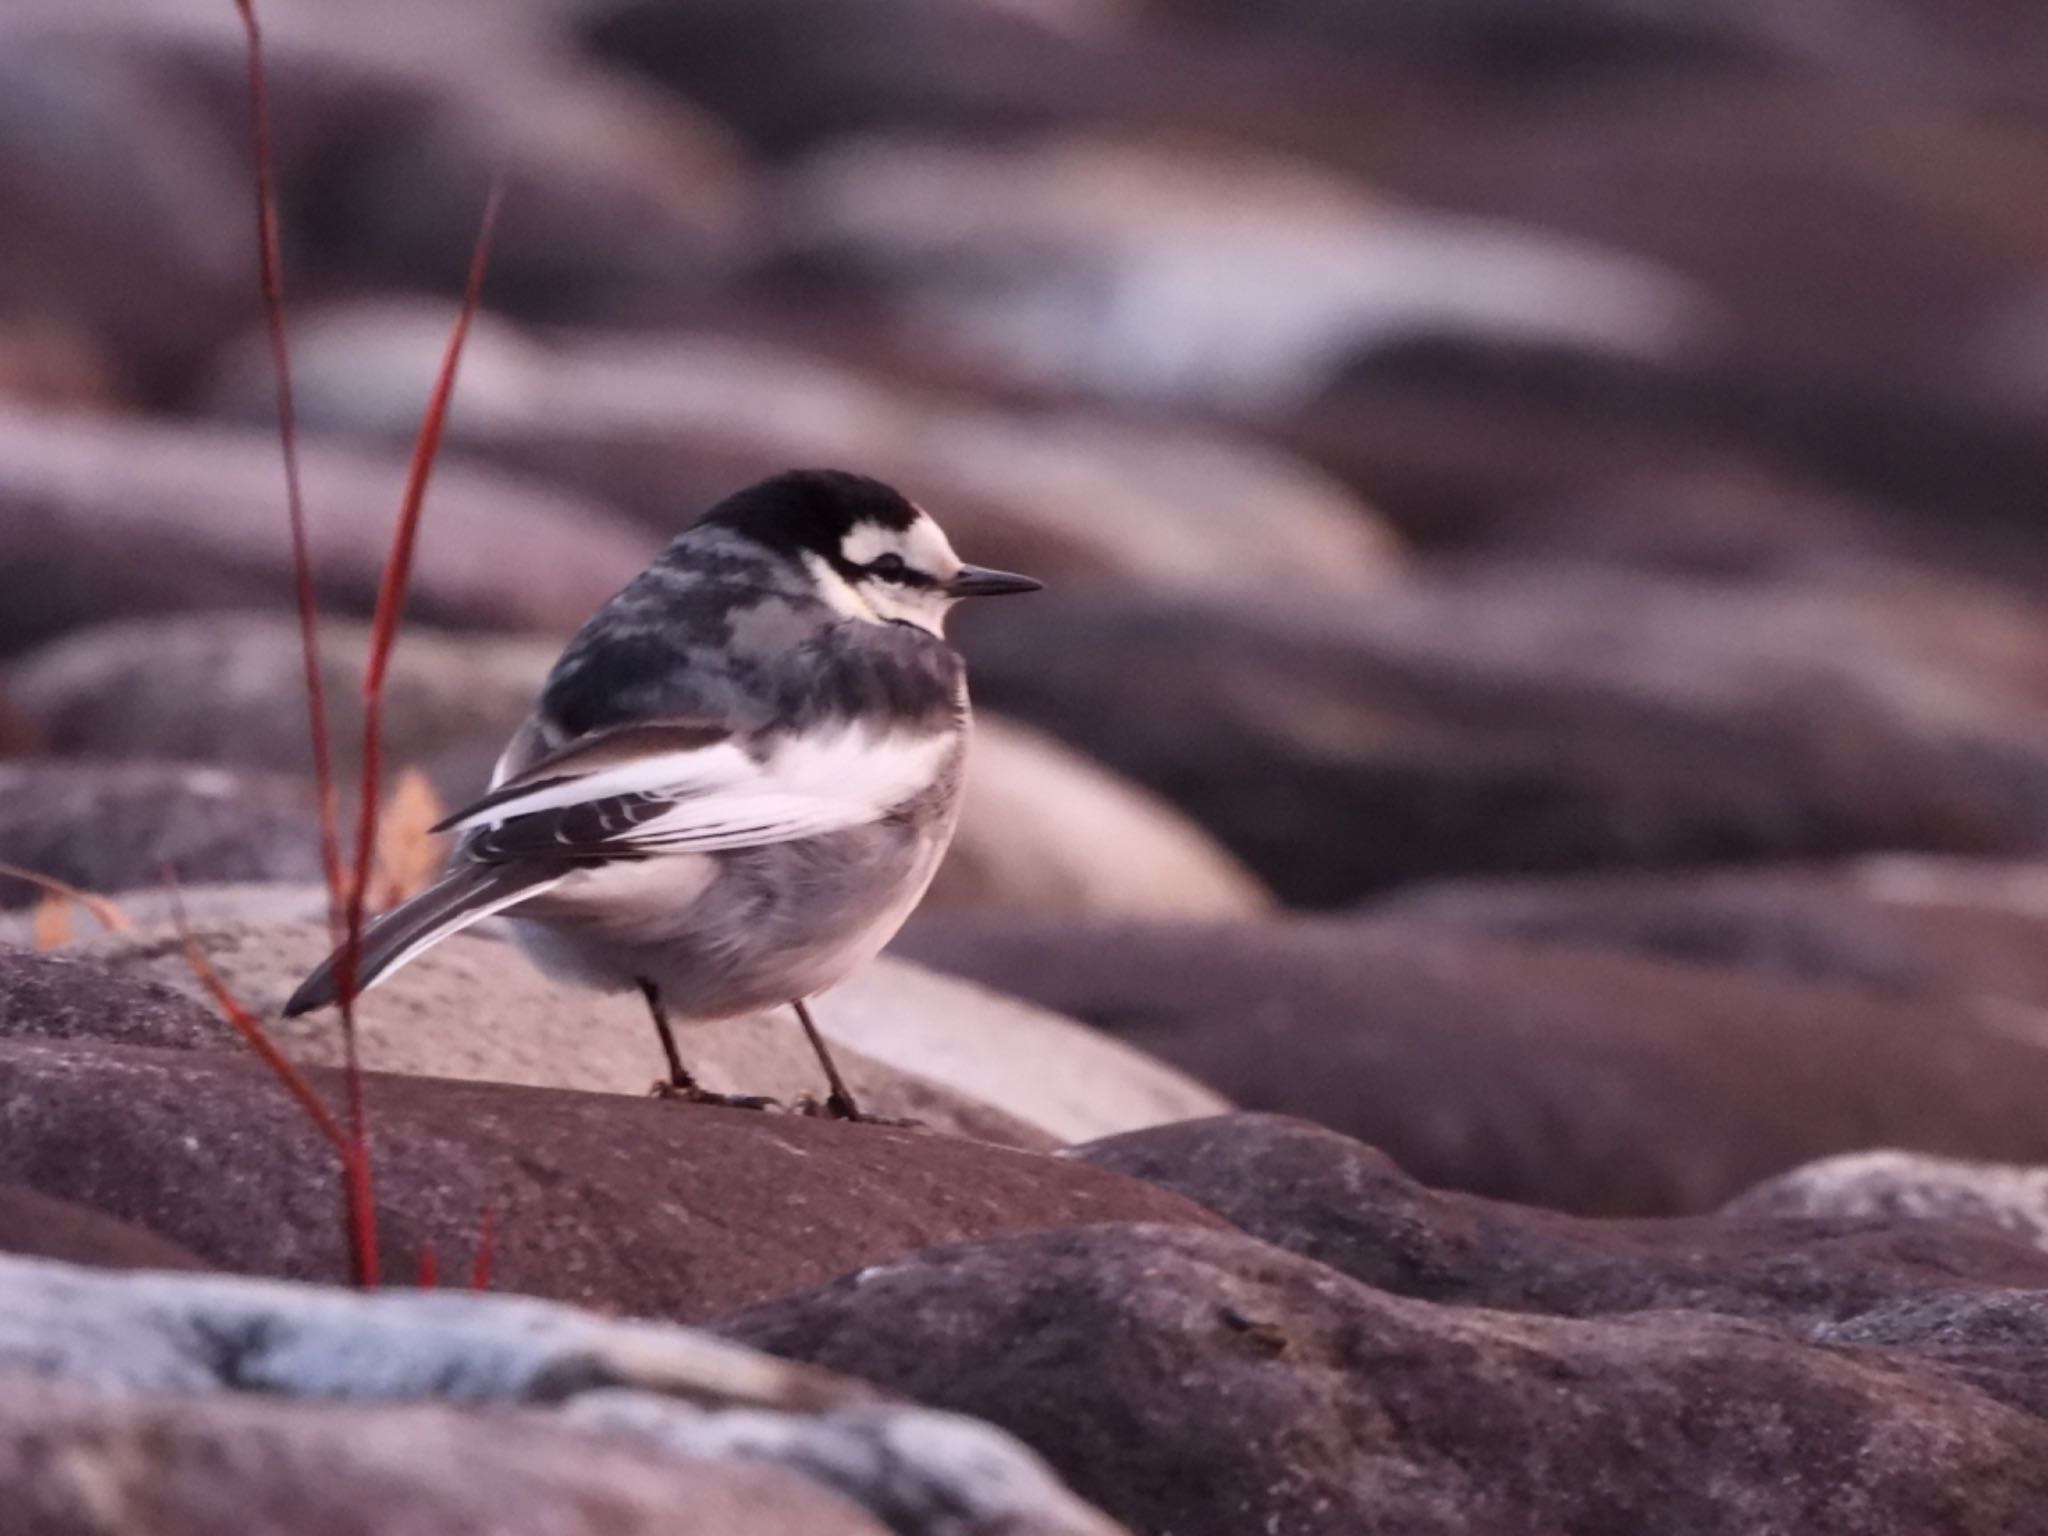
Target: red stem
pixel 486 1250
pixel 272 267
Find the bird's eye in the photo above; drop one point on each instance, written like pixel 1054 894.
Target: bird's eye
pixel 888 567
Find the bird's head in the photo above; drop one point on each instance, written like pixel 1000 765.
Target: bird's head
pixel 869 551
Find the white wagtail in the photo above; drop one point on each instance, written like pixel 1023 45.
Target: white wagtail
pixel 740 776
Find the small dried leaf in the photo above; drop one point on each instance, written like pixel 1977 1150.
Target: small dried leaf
pixel 104 912
pixel 409 855
pixel 51 923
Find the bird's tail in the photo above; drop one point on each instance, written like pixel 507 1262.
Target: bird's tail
pixel 461 897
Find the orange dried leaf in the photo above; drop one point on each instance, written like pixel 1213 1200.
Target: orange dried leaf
pixel 51 924
pixel 409 855
pixel 106 913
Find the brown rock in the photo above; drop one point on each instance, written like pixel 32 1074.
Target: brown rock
pixel 37 1226
pixel 1203 1383
pixel 1598 1083
pixel 654 1209
pixel 197 517
pixel 820 68
pixel 73 1460
pixel 1898 926
pixel 1773 1257
pixel 1539 718
pixel 108 826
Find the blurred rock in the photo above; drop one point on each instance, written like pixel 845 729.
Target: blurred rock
pixel 666 426
pixel 1189 1381
pixel 39 1227
pixel 814 69
pixel 912 1044
pixel 104 520
pixel 1781 1261
pixel 1854 924
pixel 67 1456
pixel 553 1377
pixel 1167 273
pixel 1598 1083
pixel 651 1208
pixel 230 688
pixel 1894 1185
pixel 106 826
pixel 1045 830
pixel 388 129
pixel 1537 718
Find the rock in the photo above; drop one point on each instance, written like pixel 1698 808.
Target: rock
pixel 1794 1264
pixel 1157 272
pixel 2011 1197
pixel 68 1458
pixel 131 225
pixel 230 688
pixel 624 199
pixel 1205 1384
pixel 1855 924
pixel 736 1417
pixel 667 426
pixel 1599 1083
pixel 108 826
pixel 1044 830
pixel 816 70
pixel 947 1052
pixel 471 1010
pixel 651 1208
pixel 40 1227
pixel 1540 718
pixel 198 516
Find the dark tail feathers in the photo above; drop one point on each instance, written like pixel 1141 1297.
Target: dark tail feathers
pixel 451 904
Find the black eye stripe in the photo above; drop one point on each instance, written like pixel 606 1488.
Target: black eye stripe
pixel 892 567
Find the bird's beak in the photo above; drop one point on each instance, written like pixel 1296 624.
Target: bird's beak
pixel 979 581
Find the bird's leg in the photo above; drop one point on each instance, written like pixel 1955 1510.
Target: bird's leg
pixel 681 1084
pixel 839 1104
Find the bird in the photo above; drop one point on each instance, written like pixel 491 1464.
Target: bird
pixel 738 778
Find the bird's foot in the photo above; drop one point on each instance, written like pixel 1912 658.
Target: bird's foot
pixel 690 1093
pixel 835 1106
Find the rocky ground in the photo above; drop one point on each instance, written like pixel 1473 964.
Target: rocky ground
pixel 1493 975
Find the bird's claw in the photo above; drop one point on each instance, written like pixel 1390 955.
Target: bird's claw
pixel 838 1107
pixel 691 1094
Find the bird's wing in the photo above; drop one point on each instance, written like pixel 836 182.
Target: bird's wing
pixel 678 786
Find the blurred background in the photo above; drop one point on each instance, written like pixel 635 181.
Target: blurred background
pixel 1544 470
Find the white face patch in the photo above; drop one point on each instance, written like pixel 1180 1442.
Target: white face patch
pixel 924 550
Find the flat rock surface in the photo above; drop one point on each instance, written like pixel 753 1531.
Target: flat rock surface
pixel 952 1054
pixel 1182 1378
pixel 652 1208
pixel 1601 1083
pixel 475 1009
